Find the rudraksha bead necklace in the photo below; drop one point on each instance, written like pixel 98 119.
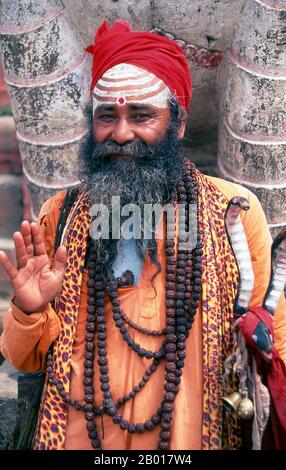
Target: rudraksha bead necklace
pixel 183 290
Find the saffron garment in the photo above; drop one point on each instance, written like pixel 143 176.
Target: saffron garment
pixel 26 338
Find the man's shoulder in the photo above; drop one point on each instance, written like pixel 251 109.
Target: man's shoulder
pixel 254 220
pixel 230 189
pixel 53 204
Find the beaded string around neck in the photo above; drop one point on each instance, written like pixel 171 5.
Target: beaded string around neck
pixel 183 291
pixel 183 276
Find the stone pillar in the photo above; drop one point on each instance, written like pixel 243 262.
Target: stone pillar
pixel 252 130
pixel 47 72
pixel 12 210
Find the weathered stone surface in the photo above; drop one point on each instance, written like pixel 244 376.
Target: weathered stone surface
pixel 11 207
pixel 54 165
pixel 41 193
pixel 8 413
pixel 204 157
pixel 8 403
pixel 252 131
pixel 4 305
pixel 137 13
pixel 253 105
pixel 270 197
pixel 261 42
pixel 48 76
pixel 54 111
pixel 275 230
pixel 8 381
pixel 11 204
pixel 7 245
pixel 4 99
pixel 14 14
pixel 203 118
pixel 208 24
pixel 42 54
pixel 254 161
pixel 10 160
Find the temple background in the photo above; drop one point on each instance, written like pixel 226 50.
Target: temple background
pixel 207 26
pixel 205 29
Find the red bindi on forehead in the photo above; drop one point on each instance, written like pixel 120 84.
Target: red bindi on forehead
pixel 121 101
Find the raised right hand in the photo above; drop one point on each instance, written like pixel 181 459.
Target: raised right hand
pixel 35 280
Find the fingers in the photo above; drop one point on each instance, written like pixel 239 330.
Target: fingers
pixel 28 242
pixel 10 269
pixel 59 260
pixel 20 250
pixel 27 237
pixel 38 241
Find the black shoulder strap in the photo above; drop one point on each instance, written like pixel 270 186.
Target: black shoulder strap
pixel 68 201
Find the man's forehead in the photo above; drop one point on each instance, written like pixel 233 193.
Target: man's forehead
pixel 130 106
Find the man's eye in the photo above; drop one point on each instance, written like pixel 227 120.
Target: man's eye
pixel 142 117
pixel 105 117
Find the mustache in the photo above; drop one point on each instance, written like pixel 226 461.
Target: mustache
pixel 136 149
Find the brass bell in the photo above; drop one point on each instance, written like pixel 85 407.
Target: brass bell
pixel 245 409
pixel 232 401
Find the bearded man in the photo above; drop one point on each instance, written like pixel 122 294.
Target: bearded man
pixel 139 330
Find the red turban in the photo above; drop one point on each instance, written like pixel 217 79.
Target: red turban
pixel 157 54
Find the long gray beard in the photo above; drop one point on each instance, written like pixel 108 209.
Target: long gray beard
pixel 148 176
pixel 131 182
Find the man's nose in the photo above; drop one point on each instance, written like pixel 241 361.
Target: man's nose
pixel 122 132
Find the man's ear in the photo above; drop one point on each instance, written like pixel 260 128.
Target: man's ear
pixel 181 131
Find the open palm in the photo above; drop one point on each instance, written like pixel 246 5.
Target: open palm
pixel 36 281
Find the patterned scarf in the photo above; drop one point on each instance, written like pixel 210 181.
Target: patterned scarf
pixel 220 279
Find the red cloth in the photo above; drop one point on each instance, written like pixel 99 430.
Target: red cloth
pixel 250 321
pixel 157 54
pixel 274 375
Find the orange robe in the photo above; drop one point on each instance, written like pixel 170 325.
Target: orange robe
pixel 26 338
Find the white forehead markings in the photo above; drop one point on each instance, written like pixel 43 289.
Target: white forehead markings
pixel 142 87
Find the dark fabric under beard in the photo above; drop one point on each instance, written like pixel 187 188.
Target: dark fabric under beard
pixel 147 176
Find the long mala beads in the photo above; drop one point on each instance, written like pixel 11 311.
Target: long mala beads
pixel 96 315
pixel 183 290
pixel 180 312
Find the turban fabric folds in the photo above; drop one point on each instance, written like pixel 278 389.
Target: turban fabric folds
pixel 157 54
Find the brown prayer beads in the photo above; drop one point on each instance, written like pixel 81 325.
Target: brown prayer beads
pixel 183 290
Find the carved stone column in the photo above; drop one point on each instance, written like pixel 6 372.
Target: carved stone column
pixel 252 131
pixel 47 73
